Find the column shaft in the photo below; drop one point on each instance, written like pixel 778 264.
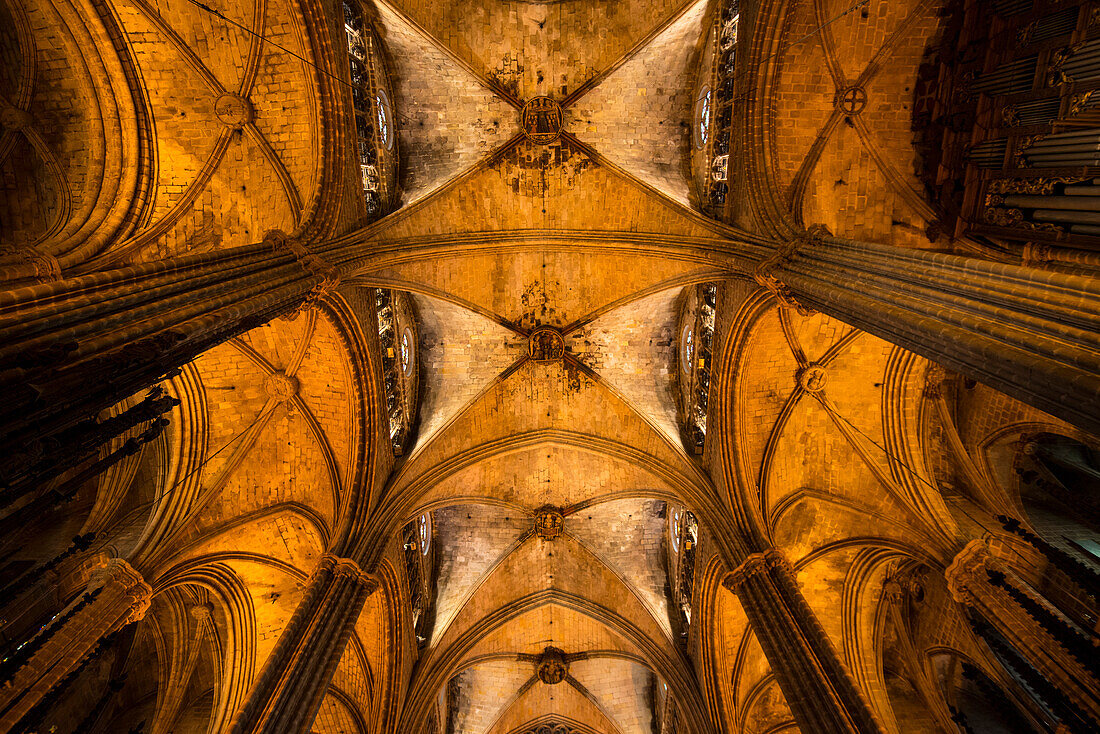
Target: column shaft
pixel 1033 334
pixel 969 582
pixel 288 693
pixel 817 687
pixel 117 596
pixel 71 348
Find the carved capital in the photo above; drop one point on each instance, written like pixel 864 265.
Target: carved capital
pixel 350 569
pixel 764 275
pixel 753 565
pixel 311 263
pixel 967 570
pixel 42 266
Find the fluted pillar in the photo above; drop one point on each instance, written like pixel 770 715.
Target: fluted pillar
pixel 71 348
pixel 969 580
pixel 1033 334
pixel 117 596
pixel 822 695
pixel 287 694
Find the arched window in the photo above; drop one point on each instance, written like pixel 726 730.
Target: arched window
pixel 397 338
pixel 372 109
pixel 694 355
pixel 683 539
pixel 420 574
pixel 702 116
pixel 713 113
pixel 425 525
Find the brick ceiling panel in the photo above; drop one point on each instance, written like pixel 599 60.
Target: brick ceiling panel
pixel 550 288
pixel 640 115
pixel 634 349
pixel 446 119
pixel 544 397
pixel 461 353
pixel 622 689
pixel 547 475
pixel 629 535
pixel 485 691
pixel 533 48
pixel 469 541
pixel 556 190
pixel 550 624
pixel 552 704
pixel 562 565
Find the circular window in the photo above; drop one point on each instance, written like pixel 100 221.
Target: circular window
pixel 407 351
pixel 382 105
pixel 687 348
pixel 702 117
pixel 425 533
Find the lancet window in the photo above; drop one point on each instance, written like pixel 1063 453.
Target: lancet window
pixel 420 571
pixel 374 119
pixel 683 541
pixel 713 114
pixel 397 339
pixel 694 356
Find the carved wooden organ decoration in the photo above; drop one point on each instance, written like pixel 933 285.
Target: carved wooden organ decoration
pixel 375 129
pixel 397 337
pixel 694 345
pixel 420 574
pixel 1009 109
pixel 712 111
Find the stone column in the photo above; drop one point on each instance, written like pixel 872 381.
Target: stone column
pixel 287 694
pixel 818 688
pixel 1033 334
pixel 71 348
pixel 176 686
pixel 116 597
pixel 969 581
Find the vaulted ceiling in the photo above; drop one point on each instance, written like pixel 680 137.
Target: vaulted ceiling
pixel 277 430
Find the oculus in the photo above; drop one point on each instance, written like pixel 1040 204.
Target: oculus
pixel 546 345
pixel 541 120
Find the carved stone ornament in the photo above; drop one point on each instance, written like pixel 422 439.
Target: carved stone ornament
pixel 541 120
pixel 549 522
pixel 202 612
pixel 551 667
pixel 233 111
pixel 1055 73
pixel 311 263
pixel 851 100
pixel 812 378
pixel 546 345
pixel 281 387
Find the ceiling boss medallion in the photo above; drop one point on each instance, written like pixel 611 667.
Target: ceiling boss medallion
pixel 545 345
pixel 541 120
pixel 551 667
pixel 549 522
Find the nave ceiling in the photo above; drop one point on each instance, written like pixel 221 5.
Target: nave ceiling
pixel 819 438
